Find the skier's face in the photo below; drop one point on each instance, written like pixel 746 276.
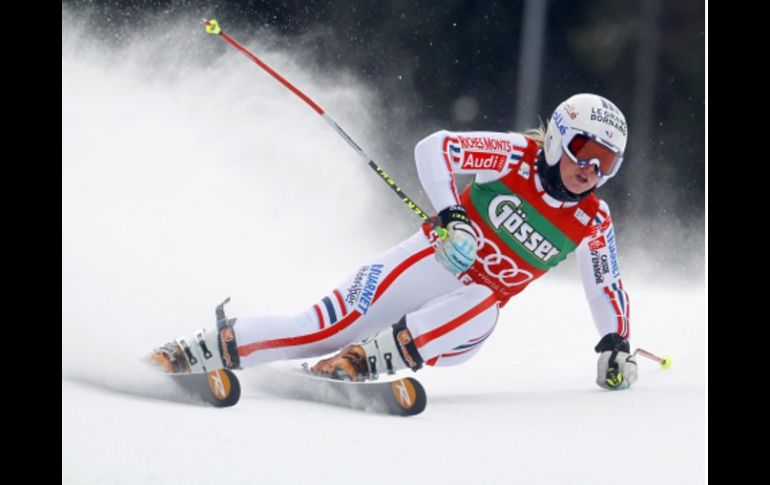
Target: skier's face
pixel 577 179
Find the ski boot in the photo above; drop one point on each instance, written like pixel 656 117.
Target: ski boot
pixel 207 351
pixel 348 365
pixel 390 350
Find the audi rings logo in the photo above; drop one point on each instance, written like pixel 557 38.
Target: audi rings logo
pixel 497 264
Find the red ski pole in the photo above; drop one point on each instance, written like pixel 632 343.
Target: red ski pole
pixel 212 27
pixel 665 361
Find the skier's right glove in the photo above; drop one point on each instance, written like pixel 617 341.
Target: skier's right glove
pixel 616 368
pixel 457 250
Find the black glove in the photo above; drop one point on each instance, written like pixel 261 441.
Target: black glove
pixel 453 213
pixel 616 368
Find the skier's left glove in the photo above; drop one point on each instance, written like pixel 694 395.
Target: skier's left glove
pixel 457 250
pixel 616 368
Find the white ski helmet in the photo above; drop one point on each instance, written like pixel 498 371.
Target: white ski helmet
pixel 578 121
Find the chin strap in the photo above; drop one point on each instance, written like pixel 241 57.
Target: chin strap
pixel 552 183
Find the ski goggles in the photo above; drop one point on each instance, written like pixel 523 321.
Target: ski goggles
pixel 586 150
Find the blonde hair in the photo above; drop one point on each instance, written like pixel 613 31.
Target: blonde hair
pixel 536 134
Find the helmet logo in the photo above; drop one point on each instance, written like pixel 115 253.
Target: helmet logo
pixel 609 106
pixel 558 120
pixel 609 118
pixel 571 112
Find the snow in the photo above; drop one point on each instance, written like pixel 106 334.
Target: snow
pixel 185 182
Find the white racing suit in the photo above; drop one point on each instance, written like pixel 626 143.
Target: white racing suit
pixel 522 232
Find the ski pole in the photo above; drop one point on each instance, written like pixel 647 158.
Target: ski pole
pixel 212 27
pixel 665 361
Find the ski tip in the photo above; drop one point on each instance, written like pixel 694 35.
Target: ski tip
pixel 225 388
pixel 409 395
pixel 219 388
pixel 212 26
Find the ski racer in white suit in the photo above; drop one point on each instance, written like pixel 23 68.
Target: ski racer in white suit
pixel 434 300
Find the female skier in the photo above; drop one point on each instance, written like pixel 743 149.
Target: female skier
pixel 434 298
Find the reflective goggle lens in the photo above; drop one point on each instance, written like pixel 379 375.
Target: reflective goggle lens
pixel 586 151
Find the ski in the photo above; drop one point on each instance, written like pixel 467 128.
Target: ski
pixel 219 388
pixel 400 397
